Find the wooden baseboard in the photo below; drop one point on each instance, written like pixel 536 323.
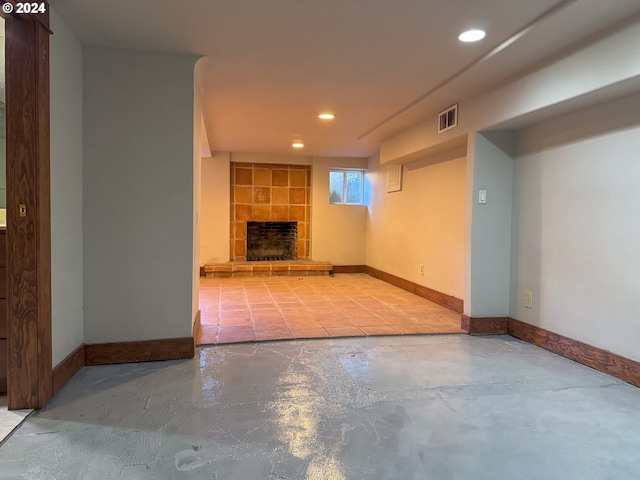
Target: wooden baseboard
pixel 485 325
pixel 67 368
pixel 452 303
pixel 604 361
pixel 349 268
pixel 142 351
pixel 106 353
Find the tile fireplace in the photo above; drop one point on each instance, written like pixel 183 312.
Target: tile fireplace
pixel 270 193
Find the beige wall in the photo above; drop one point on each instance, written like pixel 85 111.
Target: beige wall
pixel 214 209
pixel 575 226
pixel 338 231
pixel 422 224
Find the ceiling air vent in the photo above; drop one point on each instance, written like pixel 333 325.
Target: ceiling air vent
pixel 448 119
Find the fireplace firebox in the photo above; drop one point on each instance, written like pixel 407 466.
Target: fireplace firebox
pixel 272 241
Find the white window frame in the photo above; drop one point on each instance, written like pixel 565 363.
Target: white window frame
pixel 344 184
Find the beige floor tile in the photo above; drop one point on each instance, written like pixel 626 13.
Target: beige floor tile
pixel 234 329
pixel 209 319
pixel 263 315
pixel 379 330
pixel 407 329
pixel 270 308
pixel 238 324
pixel 400 320
pixel 273 334
pixel 344 331
pixel 270 323
pixel 309 332
pixel 425 320
pixel 369 321
pixel 236 337
pixel 207 335
pixel 262 305
pixel 302 323
pixel 336 322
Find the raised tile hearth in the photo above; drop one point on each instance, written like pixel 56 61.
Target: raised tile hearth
pixel 291 268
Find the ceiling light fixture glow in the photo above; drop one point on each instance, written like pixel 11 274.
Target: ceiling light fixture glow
pixel 472 36
pixel 327 116
pixel 297 145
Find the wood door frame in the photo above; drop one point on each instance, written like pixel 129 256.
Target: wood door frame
pixel 30 373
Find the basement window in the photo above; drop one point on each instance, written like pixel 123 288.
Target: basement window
pixel 346 186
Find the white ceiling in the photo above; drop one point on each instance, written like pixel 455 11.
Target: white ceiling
pixel 272 65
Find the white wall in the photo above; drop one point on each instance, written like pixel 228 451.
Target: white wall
pixel 338 232
pixel 215 215
pixel 488 225
pixel 138 194
pixel 66 190
pixel 422 224
pixel 575 226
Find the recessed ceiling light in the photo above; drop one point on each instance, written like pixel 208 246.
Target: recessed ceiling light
pixel 472 36
pixel 297 145
pixel 327 116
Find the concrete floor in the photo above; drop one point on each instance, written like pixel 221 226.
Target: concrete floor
pixel 421 407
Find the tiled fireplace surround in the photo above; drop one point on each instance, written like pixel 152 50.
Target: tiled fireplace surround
pixel 269 192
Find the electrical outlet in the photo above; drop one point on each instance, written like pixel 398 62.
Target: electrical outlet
pixel 528 299
pixel 421 269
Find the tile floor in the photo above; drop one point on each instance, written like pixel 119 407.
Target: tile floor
pixel 10 419
pixel 345 305
pixel 421 407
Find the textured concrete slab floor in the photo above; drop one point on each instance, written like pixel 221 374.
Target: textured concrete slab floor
pixel 427 407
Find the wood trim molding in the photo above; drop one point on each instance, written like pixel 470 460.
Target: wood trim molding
pixel 41 18
pixel 445 300
pixel 141 351
pixel 67 368
pixel 30 376
pixel 484 325
pixel 349 268
pixel 43 186
pixel 604 361
pixel 197 327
